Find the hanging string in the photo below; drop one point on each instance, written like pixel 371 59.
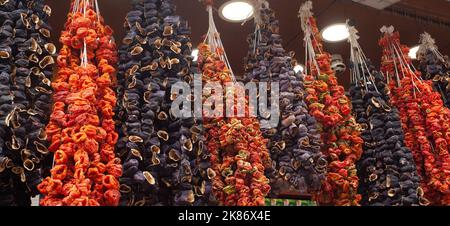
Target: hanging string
pixel 212 32
pixel 402 56
pixel 213 40
pixel 388 32
pixel 359 59
pixel 75 6
pixel 74 9
pixel 85 4
pixel 257 38
pixel 305 15
pixel 428 43
pixel 84 7
pixel 255 11
pixel 257 8
pixel 364 61
pixel 354 70
pixel 407 65
pixel 97 10
pixel 388 77
pixel 311 52
pixel 306 60
pixel 397 75
pixel 402 63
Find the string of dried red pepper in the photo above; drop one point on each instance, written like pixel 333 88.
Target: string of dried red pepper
pixel 332 109
pixel 237 147
pixel 424 117
pixel 81 129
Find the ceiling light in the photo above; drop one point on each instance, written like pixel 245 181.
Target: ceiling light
pixel 335 33
pixel 298 68
pixel 194 54
pixel 236 11
pixel 413 52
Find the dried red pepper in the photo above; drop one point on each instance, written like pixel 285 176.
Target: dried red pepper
pixel 81 128
pixel 424 118
pixel 237 147
pixel 331 108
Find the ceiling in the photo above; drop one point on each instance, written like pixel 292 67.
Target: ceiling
pixel 367 20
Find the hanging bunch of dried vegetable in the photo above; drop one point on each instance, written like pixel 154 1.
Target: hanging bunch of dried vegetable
pixel 387 172
pixel 135 126
pixel 294 144
pixel 85 170
pixel 435 66
pixel 332 109
pixel 424 118
pixel 9 193
pixel 165 158
pixel 236 145
pixel 27 58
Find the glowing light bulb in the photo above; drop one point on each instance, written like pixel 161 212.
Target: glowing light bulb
pixel 236 11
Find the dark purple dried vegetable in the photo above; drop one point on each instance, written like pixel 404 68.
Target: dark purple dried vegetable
pixel 387 172
pixel 26 57
pixel 165 160
pixel 295 144
pixel 434 66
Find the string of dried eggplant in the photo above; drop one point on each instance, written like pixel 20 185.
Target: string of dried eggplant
pixel 27 57
pixel 295 144
pixel 435 66
pixel 165 158
pixel 387 172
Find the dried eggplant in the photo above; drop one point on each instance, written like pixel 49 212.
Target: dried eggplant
pixel 267 61
pixel 144 83
pixel 26 116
